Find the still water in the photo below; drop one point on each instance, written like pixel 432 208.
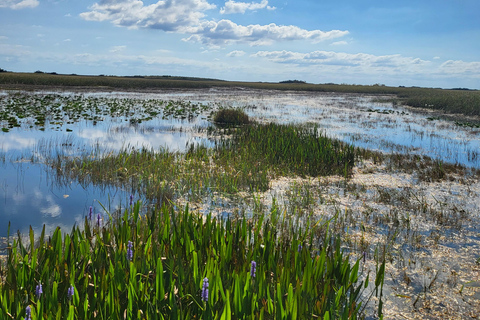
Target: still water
pixel 79 123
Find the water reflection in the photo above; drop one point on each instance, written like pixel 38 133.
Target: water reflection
pixel 29 197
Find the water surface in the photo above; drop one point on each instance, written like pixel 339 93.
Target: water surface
pixel 79 123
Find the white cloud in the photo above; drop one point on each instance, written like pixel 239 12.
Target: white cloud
pixel 118 48
pixel 461 67
pixel 188 17
pixel 236 53
pixel 228 32
pixel 19 4
pixel 242 7
pixel 339 43
pixel 14 50
pixel 363 61
pixel 169 15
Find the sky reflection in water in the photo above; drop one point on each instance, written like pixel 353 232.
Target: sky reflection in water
pixel 30 197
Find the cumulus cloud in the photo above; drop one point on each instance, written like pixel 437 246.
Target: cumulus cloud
pixel 370 61
pixel 170 15
pixel 228 32
pixel 188 17
pixel 18 4
pixel 242 7
pixel 236 53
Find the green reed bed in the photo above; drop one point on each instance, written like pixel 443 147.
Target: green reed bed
pixel 170 264
pixel 290 149
pixel 244 159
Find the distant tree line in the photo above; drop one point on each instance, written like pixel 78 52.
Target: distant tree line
pixel 293 81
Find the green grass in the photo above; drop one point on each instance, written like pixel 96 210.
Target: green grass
pixel 299 275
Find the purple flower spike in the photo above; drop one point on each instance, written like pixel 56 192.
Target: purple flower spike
pixel 300 248
pixel 130 251
pixel 99 219
pixel 205 290
pixel 131 200
pixel 28 313
pixel 253 269
pixel 70 292
pixel 90 213
pixel 38 290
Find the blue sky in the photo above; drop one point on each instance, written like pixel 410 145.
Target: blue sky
pixel 411 43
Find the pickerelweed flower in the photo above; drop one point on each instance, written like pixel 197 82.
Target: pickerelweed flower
pixel 90 213
pixel 38 290
pixel 28 313
pixel 99 219
pixel 131 200
pixel 130 251
pixel 205 290
pixel 300 248
pixel 253 269
pixel 70 292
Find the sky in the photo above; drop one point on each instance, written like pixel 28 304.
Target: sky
pixel 396 43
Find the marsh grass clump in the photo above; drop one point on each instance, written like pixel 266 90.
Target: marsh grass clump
pixel 292 149
pixel 231 117
pixel 184 266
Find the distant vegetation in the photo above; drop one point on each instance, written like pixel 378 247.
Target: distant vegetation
pixel 293 81
pixel 456 100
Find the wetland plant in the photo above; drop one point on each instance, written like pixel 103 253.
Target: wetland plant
pixel 84 276
pixel 231 117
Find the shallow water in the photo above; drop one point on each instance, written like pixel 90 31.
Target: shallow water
pixel 31 197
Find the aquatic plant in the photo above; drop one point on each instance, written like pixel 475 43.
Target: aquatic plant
pixel 231 117
pixel 205 290
pixel 177 251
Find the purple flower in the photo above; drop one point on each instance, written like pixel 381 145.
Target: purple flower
pixel 253 269
pixel 28 313
pixel 99 219
pixel 70 292
pixel 90 213
pixel 131 199
pixel 38 290
pixel 130 251
pixel 205 290
pixel 300 248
